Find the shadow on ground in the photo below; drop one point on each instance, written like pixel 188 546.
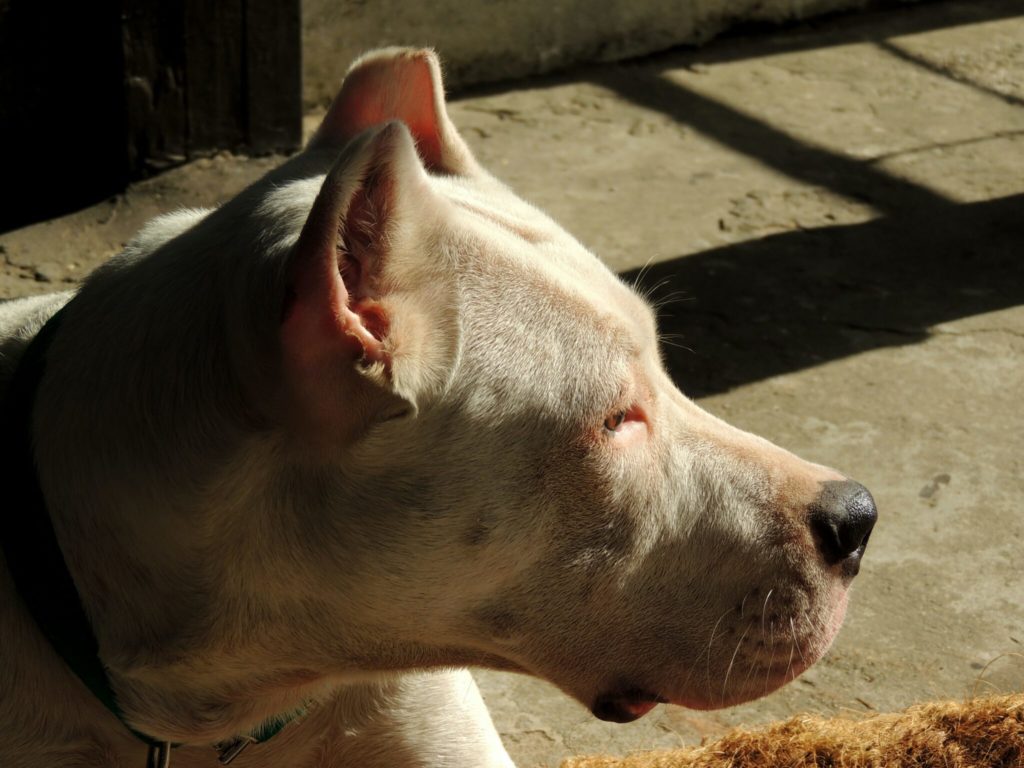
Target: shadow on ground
pixel 884 21
pixel 756 309
pixel 748 311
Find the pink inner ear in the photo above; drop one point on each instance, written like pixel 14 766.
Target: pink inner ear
pixel 315 315
pixel 322 320
pixel 384 89
pixel 328 311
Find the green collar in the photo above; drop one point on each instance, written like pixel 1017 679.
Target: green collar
pixel 36 563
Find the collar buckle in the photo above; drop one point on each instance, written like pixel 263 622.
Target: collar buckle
pixel 159 755
pixel 229 750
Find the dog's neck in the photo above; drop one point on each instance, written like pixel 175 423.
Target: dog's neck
pixel 200 643
pixel 172 526
pixel 219 603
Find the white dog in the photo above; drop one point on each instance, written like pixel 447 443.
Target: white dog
pixel 374 419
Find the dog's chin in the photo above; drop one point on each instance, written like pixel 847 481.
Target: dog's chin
pixel 626 705
pixel 767 682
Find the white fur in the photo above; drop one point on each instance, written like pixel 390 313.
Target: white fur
pixel 255 520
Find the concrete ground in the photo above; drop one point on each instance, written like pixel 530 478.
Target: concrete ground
pixel 837 213
pixel 523 37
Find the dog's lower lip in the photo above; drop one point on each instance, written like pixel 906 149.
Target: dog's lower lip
pixel 625 706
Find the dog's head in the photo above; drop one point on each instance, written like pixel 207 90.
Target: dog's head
pixel 463 437
pixel 547 495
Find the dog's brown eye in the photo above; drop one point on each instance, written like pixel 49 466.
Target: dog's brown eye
pixel 613 422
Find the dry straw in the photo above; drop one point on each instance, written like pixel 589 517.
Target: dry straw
pixel 980 733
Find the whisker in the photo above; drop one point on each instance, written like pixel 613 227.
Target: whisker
pixel 789 664
pixel 750 671
pixel 792 629
pixel 743 602
pixel 675 297
pixel 670 343
pixel 646 292
pixel 764 608
pixel 711 641
pixel 642 273
pixel 725 683
pixel 768 670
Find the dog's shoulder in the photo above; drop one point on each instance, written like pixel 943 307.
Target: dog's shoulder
pixel 163 228
pixel 20 321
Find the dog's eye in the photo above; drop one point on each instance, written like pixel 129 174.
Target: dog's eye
pixel 613 422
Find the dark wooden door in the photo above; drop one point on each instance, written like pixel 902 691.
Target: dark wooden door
pixel 94 94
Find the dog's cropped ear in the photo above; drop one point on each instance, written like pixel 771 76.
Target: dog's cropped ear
pixel 398 84
pixel 349 330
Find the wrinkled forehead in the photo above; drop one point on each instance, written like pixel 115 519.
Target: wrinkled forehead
pixel 509 227
pixel 544 322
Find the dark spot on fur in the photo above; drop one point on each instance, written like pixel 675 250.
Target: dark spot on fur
pixel 477 534
pixel 500 623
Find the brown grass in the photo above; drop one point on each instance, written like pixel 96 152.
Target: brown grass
pixel 981 733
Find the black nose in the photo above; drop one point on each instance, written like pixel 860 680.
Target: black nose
pixel 841 520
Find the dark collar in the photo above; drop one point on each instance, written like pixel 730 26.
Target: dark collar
pixel 35 560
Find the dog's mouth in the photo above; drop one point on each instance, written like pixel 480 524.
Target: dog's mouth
pixel 770 664
pixel 625 706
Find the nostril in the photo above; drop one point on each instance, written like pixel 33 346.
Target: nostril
pixel 861 515
pixel 841 521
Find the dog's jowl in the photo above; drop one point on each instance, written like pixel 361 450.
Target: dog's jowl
pixel 374 419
